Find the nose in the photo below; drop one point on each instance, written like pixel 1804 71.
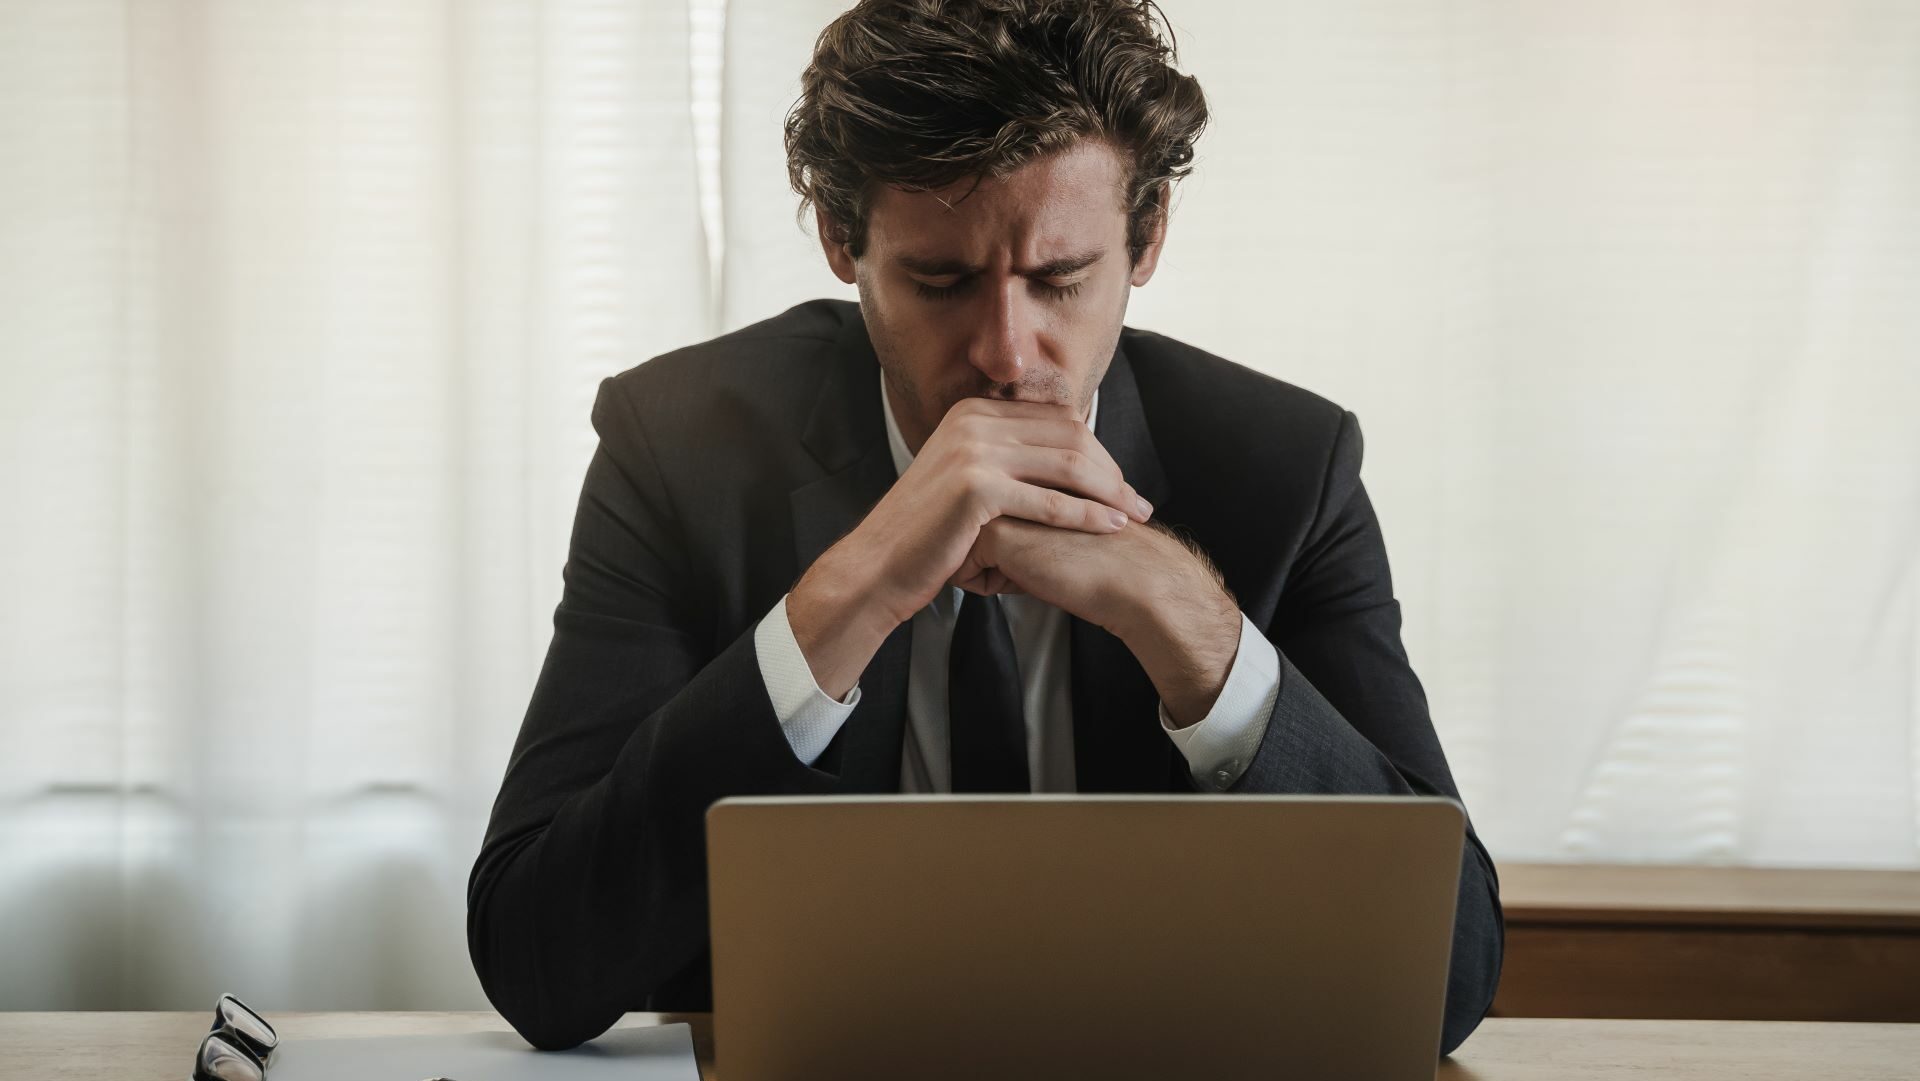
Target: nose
pixel 1004 335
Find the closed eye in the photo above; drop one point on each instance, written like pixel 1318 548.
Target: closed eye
pixel 942 292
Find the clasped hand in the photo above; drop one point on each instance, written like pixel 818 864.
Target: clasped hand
pixel 1019 497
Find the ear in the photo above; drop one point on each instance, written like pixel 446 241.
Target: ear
pixel 1156 240
pixel 838 257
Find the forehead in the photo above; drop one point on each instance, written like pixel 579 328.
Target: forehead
pixel 1069 200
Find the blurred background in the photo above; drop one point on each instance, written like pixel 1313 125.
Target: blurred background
pixel 303 304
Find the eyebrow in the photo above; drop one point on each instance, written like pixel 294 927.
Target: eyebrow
pixel 1053 268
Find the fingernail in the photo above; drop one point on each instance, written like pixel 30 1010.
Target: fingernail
pixel 1146 508
pixel 1118 518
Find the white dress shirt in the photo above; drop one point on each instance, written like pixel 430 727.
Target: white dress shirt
pixel 1217 748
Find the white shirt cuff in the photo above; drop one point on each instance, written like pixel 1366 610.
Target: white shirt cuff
pixel 1219 747
pixel 807 714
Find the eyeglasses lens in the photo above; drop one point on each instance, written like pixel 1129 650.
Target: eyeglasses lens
pixel 222 1061
pixel 250 1025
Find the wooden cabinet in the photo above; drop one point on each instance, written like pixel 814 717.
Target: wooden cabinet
pixel 1723 943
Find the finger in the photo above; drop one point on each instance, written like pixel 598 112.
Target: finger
pixel 1071 435
pixel 1007 407
pixel 1051 506
pixel 989 582
pixel 1050 426
pixel 1032 423
pixel 1073 471
pixel 1055 431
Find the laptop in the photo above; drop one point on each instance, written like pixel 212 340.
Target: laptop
pixel 1120 937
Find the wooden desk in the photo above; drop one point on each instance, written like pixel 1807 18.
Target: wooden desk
pixel 159 1046
pixel 1725 943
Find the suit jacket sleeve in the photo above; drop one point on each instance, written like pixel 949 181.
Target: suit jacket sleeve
pixel 590 887
pixel 1351 717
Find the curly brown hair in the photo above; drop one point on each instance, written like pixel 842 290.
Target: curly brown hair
pixel 919 94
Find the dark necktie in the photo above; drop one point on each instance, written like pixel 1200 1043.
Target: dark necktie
pixel 986 728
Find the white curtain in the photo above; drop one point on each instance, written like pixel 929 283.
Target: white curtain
pixel 303 305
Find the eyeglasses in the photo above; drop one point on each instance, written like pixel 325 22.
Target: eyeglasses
pixel 237 1047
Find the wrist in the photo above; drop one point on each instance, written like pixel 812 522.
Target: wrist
pixel 1189 629
pixel 1186 639
pixel 837 621
pixel 1133 618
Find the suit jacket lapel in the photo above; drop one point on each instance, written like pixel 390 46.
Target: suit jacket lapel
pixel 1117 740
pixel 847 434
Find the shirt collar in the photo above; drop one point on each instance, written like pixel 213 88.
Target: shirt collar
pixel 902 458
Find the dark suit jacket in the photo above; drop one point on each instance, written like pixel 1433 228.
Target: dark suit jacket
pixel 723 470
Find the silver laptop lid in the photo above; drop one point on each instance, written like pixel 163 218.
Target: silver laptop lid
pixel 1111 936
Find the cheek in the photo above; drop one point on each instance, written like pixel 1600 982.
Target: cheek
pixel 1086 350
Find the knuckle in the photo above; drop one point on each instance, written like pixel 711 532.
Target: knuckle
pixel 976 479
pixel 1055 504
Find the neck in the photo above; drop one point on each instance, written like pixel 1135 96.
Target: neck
pixel 906 419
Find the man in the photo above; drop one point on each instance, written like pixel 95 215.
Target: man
pixel 972 534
